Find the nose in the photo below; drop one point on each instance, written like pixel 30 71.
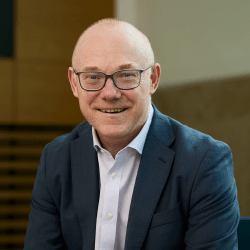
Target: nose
pixel 110 91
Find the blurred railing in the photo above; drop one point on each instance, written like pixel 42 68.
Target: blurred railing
pixel 20 151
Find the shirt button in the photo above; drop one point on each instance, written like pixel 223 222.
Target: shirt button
pixel 110 216
pixel 114 175
pixel 102 151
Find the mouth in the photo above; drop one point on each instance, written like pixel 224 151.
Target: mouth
pixel 111 111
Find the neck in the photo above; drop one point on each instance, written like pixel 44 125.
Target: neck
pixel 114 145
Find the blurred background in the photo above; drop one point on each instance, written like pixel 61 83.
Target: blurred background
pixel 203 48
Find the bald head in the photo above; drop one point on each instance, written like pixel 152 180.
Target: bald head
pixel 121 29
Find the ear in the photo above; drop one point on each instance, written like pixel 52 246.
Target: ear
pixel 73 81
pixel 155 77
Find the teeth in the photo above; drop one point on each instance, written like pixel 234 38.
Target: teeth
pixel 111 110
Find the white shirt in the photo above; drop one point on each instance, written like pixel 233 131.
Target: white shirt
pixel 117 180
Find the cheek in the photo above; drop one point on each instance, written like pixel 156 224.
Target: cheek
pixel 145 86
pixel 141 101
pixel 143 94
pixel 144 98
pixel 86 98
pixel 85 101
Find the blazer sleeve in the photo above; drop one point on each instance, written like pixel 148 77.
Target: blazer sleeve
pixel 44 229
pixel 214 209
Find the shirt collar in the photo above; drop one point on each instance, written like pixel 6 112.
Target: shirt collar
pixel 139 140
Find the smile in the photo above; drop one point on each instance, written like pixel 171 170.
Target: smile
pixel 111 110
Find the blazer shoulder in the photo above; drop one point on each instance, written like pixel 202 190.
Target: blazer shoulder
pixel 63 141
pixel 193 138
pixel 56 156
pixel 176 135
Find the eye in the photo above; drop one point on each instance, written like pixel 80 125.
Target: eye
pixel 93 77
pixel 128 74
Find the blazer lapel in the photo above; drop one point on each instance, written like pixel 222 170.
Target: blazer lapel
pixel 155 165
pixel 85 179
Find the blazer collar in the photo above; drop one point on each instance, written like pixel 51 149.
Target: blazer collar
pixel 154 169
pixel 85 179
pixel 161 128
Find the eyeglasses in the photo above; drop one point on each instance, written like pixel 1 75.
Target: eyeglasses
pixel 123 79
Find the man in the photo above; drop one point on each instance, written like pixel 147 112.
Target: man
pixel 129 177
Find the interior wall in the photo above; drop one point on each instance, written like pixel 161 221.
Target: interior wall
pixel 194 40
pixel 6 89
pixel 34 84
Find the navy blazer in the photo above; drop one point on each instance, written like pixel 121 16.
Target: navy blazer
pixel 185 194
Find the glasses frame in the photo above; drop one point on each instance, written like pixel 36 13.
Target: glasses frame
pixel 110 75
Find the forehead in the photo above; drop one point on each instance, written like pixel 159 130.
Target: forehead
pixel 105 45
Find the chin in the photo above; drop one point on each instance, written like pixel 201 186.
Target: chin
pixel 115 131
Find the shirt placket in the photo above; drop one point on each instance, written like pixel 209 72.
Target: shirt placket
pixel 110 206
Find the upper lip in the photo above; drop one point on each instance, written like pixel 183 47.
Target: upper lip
pixel 111 109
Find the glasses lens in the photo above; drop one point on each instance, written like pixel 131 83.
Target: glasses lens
pixel 127 79
pixel 92 80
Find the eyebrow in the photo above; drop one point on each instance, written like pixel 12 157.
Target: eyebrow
pixel 123 66
pixel 126 66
